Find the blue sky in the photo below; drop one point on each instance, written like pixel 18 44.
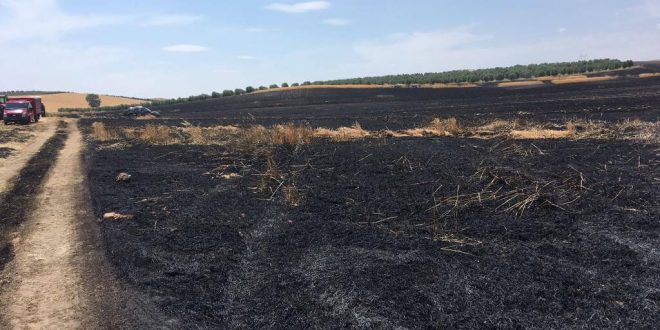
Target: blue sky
pixel 169 48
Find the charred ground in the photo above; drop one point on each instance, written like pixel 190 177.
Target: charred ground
pixel 392 232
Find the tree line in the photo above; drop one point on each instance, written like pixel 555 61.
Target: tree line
pixel 488 75
pixel 515 72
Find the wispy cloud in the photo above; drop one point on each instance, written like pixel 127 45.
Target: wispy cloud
pixel 300 7
pixel 166 20
pixel 44 19
pixel 561 30
pixel 460 49
pixel 245 57
pixel 336 22
pixel 185 48
pixel 647 9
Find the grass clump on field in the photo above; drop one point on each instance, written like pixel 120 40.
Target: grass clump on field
pixel 437 127
pixel 157 134
pixel 258 137
pixel 102 133
pixel 343 134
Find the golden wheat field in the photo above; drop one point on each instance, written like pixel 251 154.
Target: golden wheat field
pixel 54 102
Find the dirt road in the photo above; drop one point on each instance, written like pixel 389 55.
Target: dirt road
pixel 59 277
pixel 13 164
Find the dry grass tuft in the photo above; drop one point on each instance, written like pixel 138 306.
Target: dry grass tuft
pixel 496 128
pixel 638 130
pixel 291 134
pixel 437 127
pixel 253 136
pixel 292 195
pixel 209 135
pixel 580 79
pixel 649 75
pixel 157 134
pixel 343 134
pixel 102 133
pixel 520 83
pixel 147 117
pixel 270 176
pixel 537 133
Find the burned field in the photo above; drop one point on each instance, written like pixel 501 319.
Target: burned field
pixel 518 208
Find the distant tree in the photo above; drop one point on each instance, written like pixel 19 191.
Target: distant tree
pixel 216 95
pixel 307 83
pixel 274 86
pixel 249 89
pixel 285 85
pixel 227 92
pixel 239 91
pixel 263 88
pixel 295 85
pixel 94 100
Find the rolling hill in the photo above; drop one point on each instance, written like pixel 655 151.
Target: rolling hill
pixel 57 101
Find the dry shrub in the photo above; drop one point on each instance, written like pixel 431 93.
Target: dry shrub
pixel 102 133
pixel 157 134
pixel 343 133
pixel 292 134
pixel 270 176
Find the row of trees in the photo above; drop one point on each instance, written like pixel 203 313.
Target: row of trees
pixel 227 93
pixel 457 76
pixel 489 75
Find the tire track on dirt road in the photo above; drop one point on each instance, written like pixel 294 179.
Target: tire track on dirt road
pixel 18 201
pixel 12 165
pixel 59 277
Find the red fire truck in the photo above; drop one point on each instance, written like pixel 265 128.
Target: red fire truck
pixel 27 109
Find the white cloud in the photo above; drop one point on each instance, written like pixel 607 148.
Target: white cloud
pixel 185 48
pixel 648 9
pixel 300 7
pixel 245 57
pixel 419 51
pixel 44 19
pixel 337 22
pixel 658 26
pixel 254 30
pixel 462 49
pixel 165 20
pixel 561 30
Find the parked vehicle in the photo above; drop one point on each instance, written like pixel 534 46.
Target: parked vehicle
pixel 140 111
pixel 3 100
pixel 23 110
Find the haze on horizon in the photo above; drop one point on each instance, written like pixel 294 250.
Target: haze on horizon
pixel 177 48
